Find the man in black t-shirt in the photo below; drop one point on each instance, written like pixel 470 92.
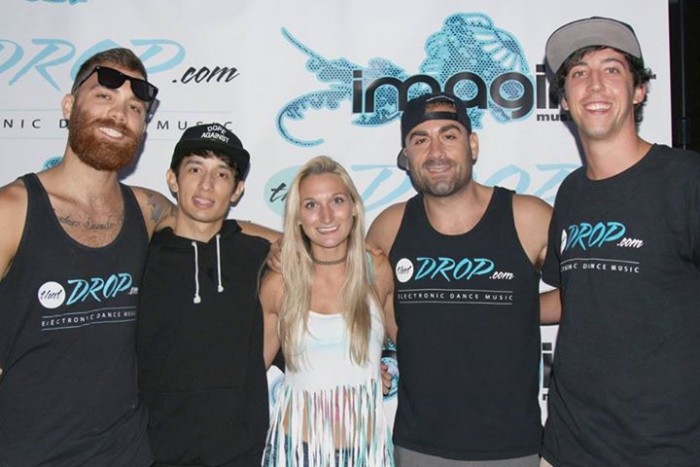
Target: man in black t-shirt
pixel 624 250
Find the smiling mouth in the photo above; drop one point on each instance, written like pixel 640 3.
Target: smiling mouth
pixel 439 170
pixel 597 107
pixel 111 132
pixel 438 166
pixel 326 230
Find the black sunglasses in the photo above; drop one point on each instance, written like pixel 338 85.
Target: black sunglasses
pixel 113 79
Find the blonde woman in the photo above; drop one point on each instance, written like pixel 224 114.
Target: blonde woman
pixel 325 310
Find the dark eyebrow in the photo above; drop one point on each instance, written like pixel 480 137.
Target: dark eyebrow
pixel 449 127
pixel 443 129
pixel 616 60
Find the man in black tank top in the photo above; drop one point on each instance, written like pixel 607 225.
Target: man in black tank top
pixel 72 250
pixel 466 261
pixel 71 256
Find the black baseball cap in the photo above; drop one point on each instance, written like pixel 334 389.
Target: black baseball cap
pixel 215 137
pixel 415 113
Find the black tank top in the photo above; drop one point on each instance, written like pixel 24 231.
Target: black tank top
pixel 467 307
pixel 68 392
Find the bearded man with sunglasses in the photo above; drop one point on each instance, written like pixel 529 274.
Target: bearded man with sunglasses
pixel 72 249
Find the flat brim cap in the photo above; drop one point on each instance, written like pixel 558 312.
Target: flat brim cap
pixel 214 137
pixel 590 32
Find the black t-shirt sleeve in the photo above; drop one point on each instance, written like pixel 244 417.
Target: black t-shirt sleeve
pixel 550 268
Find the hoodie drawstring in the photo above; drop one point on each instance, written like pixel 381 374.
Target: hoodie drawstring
pixel 220 287
pixel 197 298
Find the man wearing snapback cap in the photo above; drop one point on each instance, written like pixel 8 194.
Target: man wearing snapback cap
pixel 466 261
pixel 624 250
pixel 199 333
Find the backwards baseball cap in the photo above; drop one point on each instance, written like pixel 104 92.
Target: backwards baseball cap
pixel 215 137
pixel 588 32
pixel 416 113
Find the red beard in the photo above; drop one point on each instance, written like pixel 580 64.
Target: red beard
pixel 101 155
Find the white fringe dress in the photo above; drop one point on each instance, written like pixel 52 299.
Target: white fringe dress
pixel 330 412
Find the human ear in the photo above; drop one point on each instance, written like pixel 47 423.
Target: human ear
pixel 171 179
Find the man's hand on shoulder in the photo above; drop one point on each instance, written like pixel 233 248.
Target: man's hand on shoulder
pixel 258 230
pixel 273 260
pixel 274 256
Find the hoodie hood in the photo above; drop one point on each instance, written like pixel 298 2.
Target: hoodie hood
pixel 170 240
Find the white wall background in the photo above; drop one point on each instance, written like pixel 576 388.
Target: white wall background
pixel 42 43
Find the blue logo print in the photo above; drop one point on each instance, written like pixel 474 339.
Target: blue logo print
pixel 276 189
pixel 450 269
pixel 51 162
pixel 469 56
pixel 586 235
pixel 99 288
pixel 158 55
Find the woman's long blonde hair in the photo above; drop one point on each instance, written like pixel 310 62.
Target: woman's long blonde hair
pixel 298 271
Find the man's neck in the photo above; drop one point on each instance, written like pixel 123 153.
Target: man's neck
pixel 459 213
pixel 607 158
pixel 186 227
pixel 74 179
pixel 87 202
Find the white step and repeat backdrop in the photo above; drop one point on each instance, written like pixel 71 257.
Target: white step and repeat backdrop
pixel 295 79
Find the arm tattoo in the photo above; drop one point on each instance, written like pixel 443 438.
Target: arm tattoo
pixel 159 209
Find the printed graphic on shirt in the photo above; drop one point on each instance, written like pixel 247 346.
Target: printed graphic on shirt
pixel 95 293
pixel 450 279
pixel 593 246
